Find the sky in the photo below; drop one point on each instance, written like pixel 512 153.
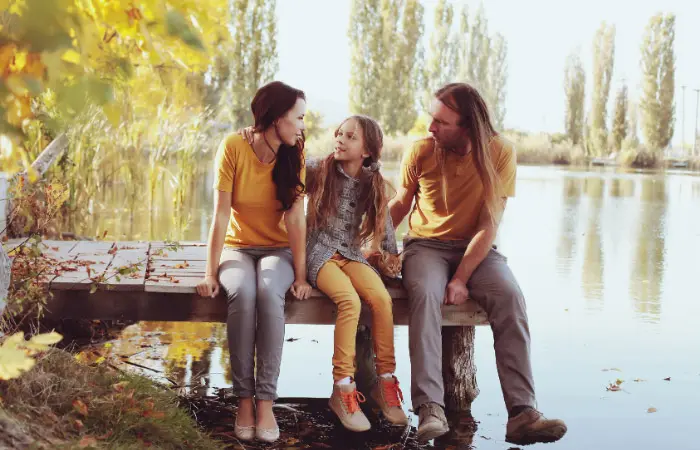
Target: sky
pixel 314 52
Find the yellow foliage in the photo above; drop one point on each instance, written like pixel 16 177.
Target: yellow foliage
pixel 17 355
pixel 78 50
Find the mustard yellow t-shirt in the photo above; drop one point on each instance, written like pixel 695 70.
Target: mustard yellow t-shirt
pixel 256 216
pixel 452 214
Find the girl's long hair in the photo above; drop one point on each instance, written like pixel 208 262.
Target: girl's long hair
pixel 323 189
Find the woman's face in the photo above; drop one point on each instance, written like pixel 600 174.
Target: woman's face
pixel 291 124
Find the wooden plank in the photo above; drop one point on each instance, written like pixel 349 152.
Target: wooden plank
pixel 161 244
pixel 12 244
pixel 182 285
pixel 174 298
pixel 161 306
pixel 132 257
pixel 132 245
pixel 191 253
pixel 58 249
pixel 177 268
pixel 80 272
pixel 92 248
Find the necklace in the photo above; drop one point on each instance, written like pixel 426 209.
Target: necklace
pixel 269 146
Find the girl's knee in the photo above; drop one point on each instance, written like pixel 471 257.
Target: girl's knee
pixel 349 304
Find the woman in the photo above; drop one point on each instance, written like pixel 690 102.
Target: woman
pixel 256 248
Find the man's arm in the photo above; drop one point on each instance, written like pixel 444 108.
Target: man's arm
pixel 480 245
pixel 400 205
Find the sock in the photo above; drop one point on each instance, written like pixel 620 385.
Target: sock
pixel 387 375
pixel 346 380
pixel 515 410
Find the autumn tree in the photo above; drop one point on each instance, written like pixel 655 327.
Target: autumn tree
pixel 619 125
pixel 575 90
pixel 658 81
pixel 251 54
pixel 384 37
pixel 603 63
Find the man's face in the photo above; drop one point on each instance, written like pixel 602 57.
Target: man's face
pixel 445 127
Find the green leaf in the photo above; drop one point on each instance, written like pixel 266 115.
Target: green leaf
pixel 177 26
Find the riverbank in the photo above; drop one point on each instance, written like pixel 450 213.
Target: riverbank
pixel 62 403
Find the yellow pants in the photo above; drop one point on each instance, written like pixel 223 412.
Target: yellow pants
pixel 346 282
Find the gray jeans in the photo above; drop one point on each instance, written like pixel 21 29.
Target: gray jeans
pixel 427 268
pixel 255 281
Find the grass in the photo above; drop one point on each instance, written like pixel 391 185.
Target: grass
pixel 62 403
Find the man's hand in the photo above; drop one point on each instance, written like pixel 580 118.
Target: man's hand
pixel 456 292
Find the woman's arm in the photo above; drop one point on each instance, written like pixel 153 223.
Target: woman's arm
pixel 295 221
pixel 209 286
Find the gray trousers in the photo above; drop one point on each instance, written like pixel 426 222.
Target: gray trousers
pixel 427 268
pixel 255 281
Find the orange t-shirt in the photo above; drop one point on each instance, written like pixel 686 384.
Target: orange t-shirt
pixel 256 215
pixel 451 214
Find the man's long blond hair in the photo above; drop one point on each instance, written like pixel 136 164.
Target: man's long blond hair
pixel 475 120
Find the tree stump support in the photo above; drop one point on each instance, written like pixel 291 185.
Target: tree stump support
pixel 458 366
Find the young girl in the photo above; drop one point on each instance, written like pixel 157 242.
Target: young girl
pixel 348 209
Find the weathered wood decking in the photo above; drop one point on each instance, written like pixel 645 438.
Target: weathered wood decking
pixel 159 284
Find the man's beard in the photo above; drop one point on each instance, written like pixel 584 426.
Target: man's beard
pixel 457 146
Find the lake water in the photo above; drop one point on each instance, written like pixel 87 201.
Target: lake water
pixel 609 262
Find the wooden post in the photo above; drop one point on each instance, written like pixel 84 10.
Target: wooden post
pixel 459 368
pixel 365 375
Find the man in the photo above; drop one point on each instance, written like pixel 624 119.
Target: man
pixel 460 178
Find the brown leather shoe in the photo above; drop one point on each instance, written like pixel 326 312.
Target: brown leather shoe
pixel 388 395
pixel 432 422
pixel 530 427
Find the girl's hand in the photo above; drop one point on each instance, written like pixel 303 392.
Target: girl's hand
pixel 208 287
pixel 301 289
pixel 247 134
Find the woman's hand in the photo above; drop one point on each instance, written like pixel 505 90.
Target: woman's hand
pixel 301 289
pixel 208 287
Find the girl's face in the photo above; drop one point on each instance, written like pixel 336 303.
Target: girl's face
pixel 291 124
pixel 349 142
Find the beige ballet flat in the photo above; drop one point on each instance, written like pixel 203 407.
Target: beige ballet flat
pixel 267 435
pixel 244 433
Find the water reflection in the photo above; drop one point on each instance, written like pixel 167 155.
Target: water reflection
pixel 592 268
pixel 569 216
pixel 646 278
pixel 621 188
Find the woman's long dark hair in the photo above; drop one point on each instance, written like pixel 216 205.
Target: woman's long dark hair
pixel 272 102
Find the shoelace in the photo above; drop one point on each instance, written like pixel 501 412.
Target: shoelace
pixel 392 393
pixel 351 399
